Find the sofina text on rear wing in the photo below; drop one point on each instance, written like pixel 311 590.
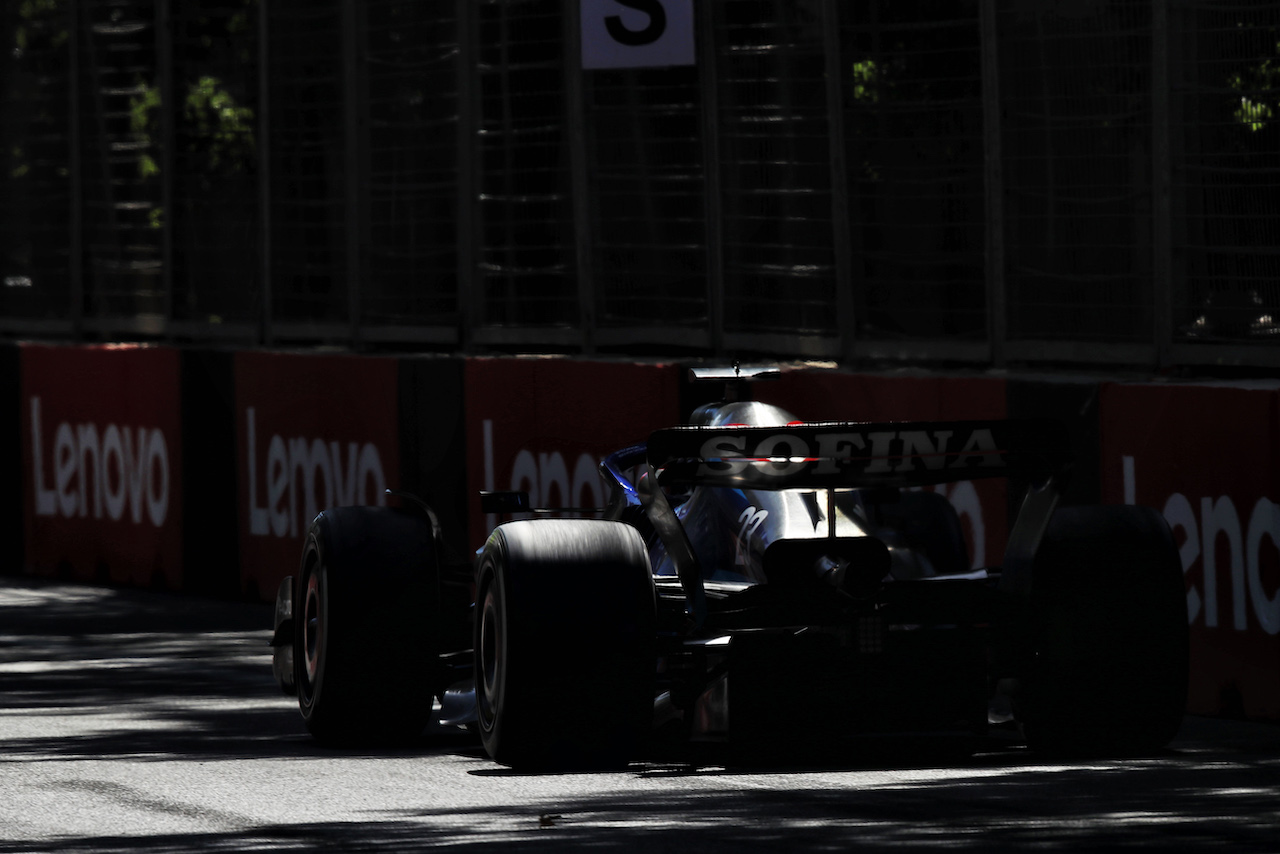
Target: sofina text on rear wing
pixel 850 454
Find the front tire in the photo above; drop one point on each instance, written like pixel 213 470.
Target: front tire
pixel 365 626
pixel 564 644
pixel 1109 633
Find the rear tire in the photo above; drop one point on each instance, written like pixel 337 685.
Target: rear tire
pixel 1109 633
pixel 365 626
pixel 564 644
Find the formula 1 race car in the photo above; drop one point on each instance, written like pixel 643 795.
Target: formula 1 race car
pixel 755 581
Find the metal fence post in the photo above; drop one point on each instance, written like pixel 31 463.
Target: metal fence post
pixel 705 24
pixel 845 312
pixel 352 163
pixel 75 264
pixel 993 180
pixel 1161 179
pixel 465 193
pixel 168 111
pixel 579 181
pixel 265 335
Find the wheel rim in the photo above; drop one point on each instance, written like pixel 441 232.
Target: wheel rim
pixel 312 632
pixel 489 659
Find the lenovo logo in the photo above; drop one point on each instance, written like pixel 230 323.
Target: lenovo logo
pixel 116 472
pixel 299 476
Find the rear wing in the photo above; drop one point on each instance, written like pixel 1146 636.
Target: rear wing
pixel 850 454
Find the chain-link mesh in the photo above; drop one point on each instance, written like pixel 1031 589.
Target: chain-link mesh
pixel 411 102
pixel 648 209
pixel 775 167
pixel 827 174
pixel 912 90
pixel 1227 177
pixel 214 110
pixel 120 159
pixel 527 272
pixel 1076 115
pixel 307 161
pixel 35 162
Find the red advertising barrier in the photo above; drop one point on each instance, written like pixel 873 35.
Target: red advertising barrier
pixel 1207 457
pixel 11 525
pixel 312 432
pixel 116 448
pixel 832 396
pixel 543 425
pixel 102 463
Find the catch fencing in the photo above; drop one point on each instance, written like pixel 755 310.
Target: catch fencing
pixel 976 181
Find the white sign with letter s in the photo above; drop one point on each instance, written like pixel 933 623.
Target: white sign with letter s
pixel 637 33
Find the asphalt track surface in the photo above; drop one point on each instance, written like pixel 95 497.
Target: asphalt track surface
pixel 138 721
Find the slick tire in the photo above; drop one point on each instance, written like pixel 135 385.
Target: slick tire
pixel 1109 634
pixel 365 627
pixel 564 644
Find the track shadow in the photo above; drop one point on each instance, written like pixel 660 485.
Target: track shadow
pixel 1184 805
pixel 175 676
pixel 178 679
